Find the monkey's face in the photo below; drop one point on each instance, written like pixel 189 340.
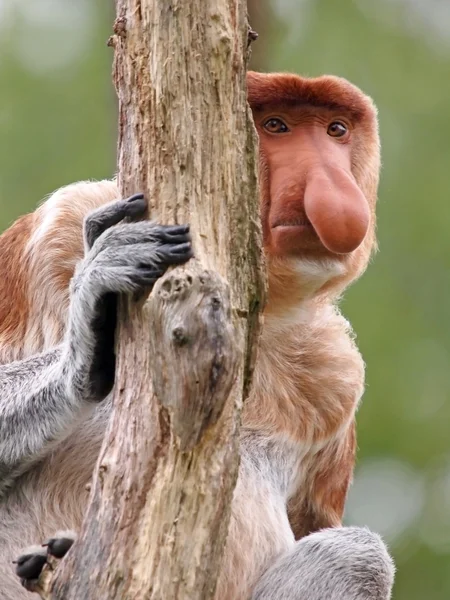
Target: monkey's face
pixel 319 164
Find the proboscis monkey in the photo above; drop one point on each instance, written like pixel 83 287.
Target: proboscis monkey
pixel 319 165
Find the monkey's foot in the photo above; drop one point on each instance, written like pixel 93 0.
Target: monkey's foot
pixel 30 565
pixel 60 543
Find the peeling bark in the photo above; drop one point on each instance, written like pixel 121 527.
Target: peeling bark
pixel 160 499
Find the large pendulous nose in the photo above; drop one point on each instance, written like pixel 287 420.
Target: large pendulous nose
pixel 336 208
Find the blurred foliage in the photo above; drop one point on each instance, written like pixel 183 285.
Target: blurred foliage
pixel 57 114
pixel 57 125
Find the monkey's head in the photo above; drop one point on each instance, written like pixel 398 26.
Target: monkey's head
pixel 319 168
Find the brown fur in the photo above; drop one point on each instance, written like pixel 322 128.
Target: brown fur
pixel 14 303
pixel 322 502
pixel 327 91
pixel 39 253
pixel 309 376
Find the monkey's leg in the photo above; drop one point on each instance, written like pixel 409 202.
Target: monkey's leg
pixel 346 563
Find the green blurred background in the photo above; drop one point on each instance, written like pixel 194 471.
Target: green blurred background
pixel 57 125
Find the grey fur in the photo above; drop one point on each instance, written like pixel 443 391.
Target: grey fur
pixel 348 563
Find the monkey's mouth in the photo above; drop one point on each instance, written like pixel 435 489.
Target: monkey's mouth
pixel 299 224
pixel 295 236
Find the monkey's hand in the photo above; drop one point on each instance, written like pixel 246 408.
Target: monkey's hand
pixel 42 396
pixel 121 258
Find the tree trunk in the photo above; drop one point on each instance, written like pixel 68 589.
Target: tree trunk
pixel 161 494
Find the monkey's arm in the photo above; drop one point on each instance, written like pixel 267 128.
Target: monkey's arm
pixel 36 408
pixel 42 397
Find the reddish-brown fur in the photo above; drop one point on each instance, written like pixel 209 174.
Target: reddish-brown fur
pixel 309 376
pixel 14 304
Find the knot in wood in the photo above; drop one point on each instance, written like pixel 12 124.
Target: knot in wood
pixel 179 336
pixel 216 302
pixel 120 26
pixel 252 35
pixel 175 286
pixel 194 349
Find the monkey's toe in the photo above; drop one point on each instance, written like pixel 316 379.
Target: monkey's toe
pixel 29 565
pixel 60 543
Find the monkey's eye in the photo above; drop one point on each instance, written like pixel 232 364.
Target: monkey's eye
pixel 337 129
pixel 275 125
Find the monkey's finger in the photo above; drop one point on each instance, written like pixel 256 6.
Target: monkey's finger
pixel 178 254
pixel 135 206
pixel 148 276
pixel 111 214
pixel 177 229
pixel 134 197
pixel 174 234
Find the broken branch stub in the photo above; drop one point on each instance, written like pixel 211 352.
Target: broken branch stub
pixel 195 356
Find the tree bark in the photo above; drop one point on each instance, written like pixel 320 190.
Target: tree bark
pixel 161 494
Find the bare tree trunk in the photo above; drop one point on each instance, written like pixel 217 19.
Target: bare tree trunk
pixel 160 500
